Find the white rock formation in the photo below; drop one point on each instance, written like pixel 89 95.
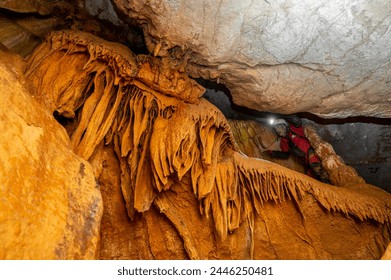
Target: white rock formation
pixel 330 58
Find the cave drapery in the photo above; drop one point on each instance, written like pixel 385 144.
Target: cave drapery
pixel 146 168
pixel 179 164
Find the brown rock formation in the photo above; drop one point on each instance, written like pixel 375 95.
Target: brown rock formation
pixel 50 206
pixel 174 182
pixel 16 38
pixel 41 7
pixel 387 253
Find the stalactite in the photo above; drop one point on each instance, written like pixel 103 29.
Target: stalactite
pixel 162 130
pixel 295 186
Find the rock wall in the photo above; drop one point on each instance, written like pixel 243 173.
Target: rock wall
pixel 363 145
pixel 387 253
pixel 50 205
pixel 329 58
pixel 173 178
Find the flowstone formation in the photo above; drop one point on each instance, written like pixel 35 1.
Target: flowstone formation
pixel 174 182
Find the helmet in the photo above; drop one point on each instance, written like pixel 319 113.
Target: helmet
pixel 280 122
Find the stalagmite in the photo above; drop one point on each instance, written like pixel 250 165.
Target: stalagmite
pixel 178 157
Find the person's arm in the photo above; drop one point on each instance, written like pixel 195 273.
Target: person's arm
pixel 283 153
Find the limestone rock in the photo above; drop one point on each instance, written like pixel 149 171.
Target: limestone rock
pixel 16 38
pixel 149 236
pixel 387 253
pixel 22 35
pixel 173 178
pixel 41 7
pixel 102 9
pixel 330 58
pixel 173 228
pixel 50 206
pixel 364 146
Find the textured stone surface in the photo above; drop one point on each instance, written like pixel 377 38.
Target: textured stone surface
pixel 364 146
pixel 330 58
pixel 174 182
pixel 16 38
pixel 339 173
pixel 102 9
pixel 387 253
pixel 50 207
pixel 42 7
pixel 363 143
pixel 163 234
pixel 149 236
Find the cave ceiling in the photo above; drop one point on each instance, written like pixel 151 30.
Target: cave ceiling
pixel 331 59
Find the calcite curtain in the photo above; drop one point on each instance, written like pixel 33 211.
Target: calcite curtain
pixel 166 136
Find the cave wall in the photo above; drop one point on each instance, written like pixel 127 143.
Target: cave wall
pixel 103 10
pixel 167 158
pixel 50 206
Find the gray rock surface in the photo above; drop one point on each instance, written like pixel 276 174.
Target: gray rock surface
pixel 329 58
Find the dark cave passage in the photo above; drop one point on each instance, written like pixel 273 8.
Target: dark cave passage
pixel 363 142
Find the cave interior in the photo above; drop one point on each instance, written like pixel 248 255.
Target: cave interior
pixel 363 142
